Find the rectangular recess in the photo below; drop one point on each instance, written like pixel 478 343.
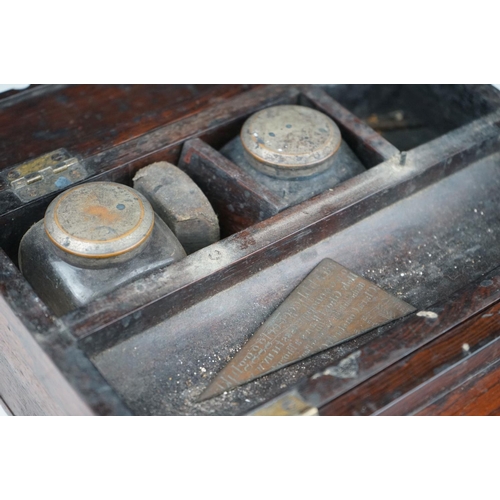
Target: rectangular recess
pixel 411 115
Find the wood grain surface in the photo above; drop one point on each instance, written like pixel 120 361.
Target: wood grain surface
pixel 88 119
pixel 410 385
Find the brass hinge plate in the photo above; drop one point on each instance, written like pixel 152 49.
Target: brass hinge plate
pixel 45 174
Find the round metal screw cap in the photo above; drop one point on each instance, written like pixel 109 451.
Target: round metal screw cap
pixel 290 141
pixel 99 220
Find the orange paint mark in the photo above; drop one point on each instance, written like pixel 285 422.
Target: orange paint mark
pixel 102 213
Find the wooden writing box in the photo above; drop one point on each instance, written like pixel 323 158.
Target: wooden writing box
pixel 422 223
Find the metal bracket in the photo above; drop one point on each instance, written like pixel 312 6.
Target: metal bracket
pixel 289 404
pixel 45 174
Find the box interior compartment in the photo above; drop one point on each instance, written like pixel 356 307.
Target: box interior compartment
pixel 170 363
pixel 411 115
pixel 178 327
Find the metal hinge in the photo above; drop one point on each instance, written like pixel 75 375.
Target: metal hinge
pixel 289 404
pixel 45 174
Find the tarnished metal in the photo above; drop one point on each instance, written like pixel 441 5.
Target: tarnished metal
pixel 290 141
pixel 99 220
pixel 290 404
pixel 94 239
pixel 331 305
pixel 45 174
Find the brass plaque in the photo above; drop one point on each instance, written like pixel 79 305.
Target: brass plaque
pixel 331 305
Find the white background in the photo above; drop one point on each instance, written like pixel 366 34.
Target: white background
pixel 257 42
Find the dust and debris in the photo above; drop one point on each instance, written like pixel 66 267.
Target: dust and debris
pixel 427 314
pixel 347 368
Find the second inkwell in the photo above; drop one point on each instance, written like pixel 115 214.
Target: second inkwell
pixel 294 151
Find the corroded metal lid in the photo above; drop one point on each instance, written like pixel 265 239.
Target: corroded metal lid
pixel 99 220
pixel 290 141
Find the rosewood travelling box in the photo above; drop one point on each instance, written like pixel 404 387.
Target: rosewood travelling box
pixel 421 224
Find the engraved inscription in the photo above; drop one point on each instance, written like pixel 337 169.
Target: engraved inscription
pixel 331 305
